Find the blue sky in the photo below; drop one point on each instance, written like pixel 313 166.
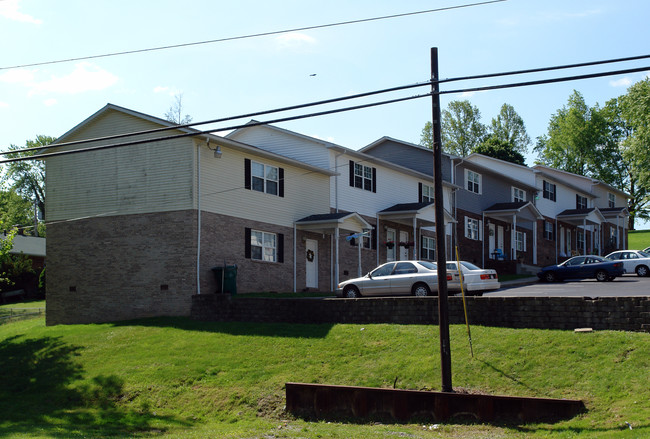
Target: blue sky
pixel 246 75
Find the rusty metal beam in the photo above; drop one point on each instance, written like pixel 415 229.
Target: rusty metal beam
pixel 324 401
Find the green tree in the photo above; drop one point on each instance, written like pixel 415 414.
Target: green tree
pixel 509 127
pixel 27 177
pixel 461 128
pixel 500 149
pixel 15 210
pixel 6 244
pixel 426 137
pixel 576 134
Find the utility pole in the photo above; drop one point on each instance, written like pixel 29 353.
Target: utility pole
pixel 443 307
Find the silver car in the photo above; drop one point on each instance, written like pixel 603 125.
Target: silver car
pixel 634 261
pixel 419 278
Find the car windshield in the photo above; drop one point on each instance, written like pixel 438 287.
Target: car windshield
pixel 469 265
pixel 428 265
pixel 644 254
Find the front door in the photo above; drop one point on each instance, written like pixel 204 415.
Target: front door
pixel 403 250
pixel 311 263
pixel 492 240
pixel 500 240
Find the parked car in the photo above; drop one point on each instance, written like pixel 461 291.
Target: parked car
pixel 583 267
pixel 475 279
pixel 419 278
pixel 646 250
pixel 634 261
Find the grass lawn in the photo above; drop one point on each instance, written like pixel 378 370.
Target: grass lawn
pixel 174 377
pixel 638 239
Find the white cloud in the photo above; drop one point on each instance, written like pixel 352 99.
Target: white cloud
pixel 18 76
pixel 171 91
pixel 623 82
pixel 4 105
pixel 85 77
pixel 160 89
pixel 9 10
pixel 50 102
pixel 294 39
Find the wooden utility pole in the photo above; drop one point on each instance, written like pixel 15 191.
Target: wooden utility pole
pixel 443 307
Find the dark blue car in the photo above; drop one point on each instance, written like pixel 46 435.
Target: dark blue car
pixel 583 267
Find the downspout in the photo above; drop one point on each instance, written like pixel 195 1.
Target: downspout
pixel 295 250
pixel 377 236
pixel 198 206
pixel 336 185
pixel 482 240
pixel 416 238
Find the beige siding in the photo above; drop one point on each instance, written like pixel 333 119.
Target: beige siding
pixel 223 190
pixel 143 178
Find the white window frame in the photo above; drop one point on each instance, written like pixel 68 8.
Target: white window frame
pixel 548 190
pixel 363 176
pixel 518 195
pixel 428 245
pixel 548 234
pixel 580 239
pixel 520 241
pixel 270 185
pixel 611 198
pixel 472 228
pixel 266 244
pixel 473 181
pixel 427 193
pixel 579 198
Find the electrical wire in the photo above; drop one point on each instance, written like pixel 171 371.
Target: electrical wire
pixel 261 34
pixel 321 113
pixel 340 99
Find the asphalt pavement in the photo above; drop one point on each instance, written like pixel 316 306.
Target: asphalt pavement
pixel 624 286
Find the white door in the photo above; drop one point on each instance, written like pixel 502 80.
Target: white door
pixel 403 251
pixel 391 251
pixel 500 239
pixel 492 239
pixel 311 263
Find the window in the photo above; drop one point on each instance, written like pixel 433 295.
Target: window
pixel 264 178
pixel 405 268
pixel 613 233
pixel 363 177
pixel 472 228
pixel 520 241
pixel 426 193
pixel 428 248
pixel 581 202
pixel 580 240
pixel 612 200
pixel 548 191
pixel 548 230
pixel 518 195
pixel 264 246
pixel 473 181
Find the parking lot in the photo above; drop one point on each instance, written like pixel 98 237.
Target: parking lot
pixel 628 285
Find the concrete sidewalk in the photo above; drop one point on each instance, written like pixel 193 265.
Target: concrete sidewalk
pixel 520 282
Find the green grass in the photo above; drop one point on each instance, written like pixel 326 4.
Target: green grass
pixel 638 239
pixel 174 377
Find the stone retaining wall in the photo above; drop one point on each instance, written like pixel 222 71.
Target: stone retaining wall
pixel 614 313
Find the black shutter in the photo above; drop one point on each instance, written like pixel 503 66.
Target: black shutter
pixel 281 188
pixel 373 238
pixel 247 177
pixel 374 179
pixel 419 192
pixel 577 201
pixel 247 243
pixel 351 173
pixel 553 194
pixel 281 247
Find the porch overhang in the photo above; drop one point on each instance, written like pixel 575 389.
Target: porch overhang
pixel 615 214
pixel 406 213
pixel 582 217
pixel 522 210
pixel 327 223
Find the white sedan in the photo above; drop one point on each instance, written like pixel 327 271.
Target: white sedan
pixel 634 261
pixel 418 278
pixel 475 279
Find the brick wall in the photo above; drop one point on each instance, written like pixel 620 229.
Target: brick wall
pixel 610 313
pixel 121 267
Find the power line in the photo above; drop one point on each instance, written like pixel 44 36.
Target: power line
pixel 261 34
pixel 340 99
pixel 322 113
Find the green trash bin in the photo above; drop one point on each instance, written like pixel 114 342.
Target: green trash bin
pixel 230 279
pixel 218 277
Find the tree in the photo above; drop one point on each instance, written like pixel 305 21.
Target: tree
pixel 175 112
pixel 6 244
pixel 27 177
pixel 426 137
pixel 500 149
pixel 509 127
pixel 461 128
pixel 575 137
pixel 15 210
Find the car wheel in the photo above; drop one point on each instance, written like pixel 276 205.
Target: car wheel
pixel 421 290
pixel 642 271
pixel 601 275
pixel 611 278
pixel 351 292
pixel 549 276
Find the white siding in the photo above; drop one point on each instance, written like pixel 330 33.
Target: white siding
pixel 512 170
pixel 290 145
pixel 223 190
pixel 145 178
